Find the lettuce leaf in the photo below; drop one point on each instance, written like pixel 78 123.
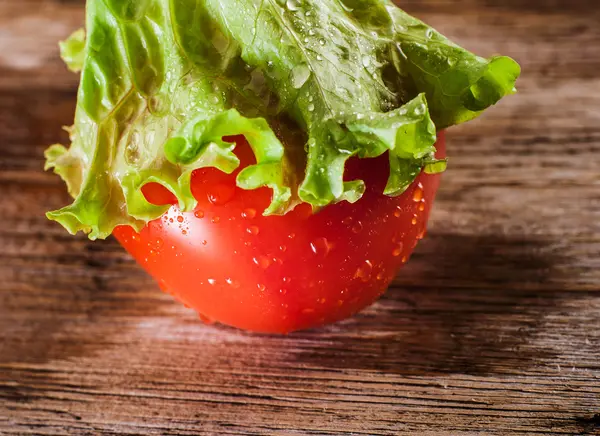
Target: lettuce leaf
pixel 164 81
pixel 72 50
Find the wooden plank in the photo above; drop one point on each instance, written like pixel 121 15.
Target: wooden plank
pixel 492 328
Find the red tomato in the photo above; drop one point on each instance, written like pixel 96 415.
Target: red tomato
pixel 281 273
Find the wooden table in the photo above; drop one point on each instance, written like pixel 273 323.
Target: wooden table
pixel 493 328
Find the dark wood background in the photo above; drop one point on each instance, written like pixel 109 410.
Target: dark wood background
pixel 493 328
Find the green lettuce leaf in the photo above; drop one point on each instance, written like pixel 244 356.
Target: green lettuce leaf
pixel 163 82
pixel 72 50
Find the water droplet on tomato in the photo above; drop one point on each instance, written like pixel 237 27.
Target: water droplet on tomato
pixel 418 194
pixel 398 249
pixel 287 280
pixel 180 219
pixel 357 227
pixel 414 220
pixel 404 259
pixel 211 281
pixel 322 300
pixel 321 247
pixel 282 248
pixel 291 236
pixel 249 213
pixel 253 230
pixel 283 291
pixel 163 286
pixel 199 214
pixel 364 271
pixel 261 287
pixel 233 283
pixel 340 303
pixel 347 221
pixel 422 234
pixel 221 194
pixel 215 220
pixel 135 237
pixel 262 261
pixel 204 242
pixel 184 232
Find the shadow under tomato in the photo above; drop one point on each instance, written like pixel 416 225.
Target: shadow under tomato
pixel 474 306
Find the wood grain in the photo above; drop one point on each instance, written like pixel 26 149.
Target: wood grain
pixel 493 327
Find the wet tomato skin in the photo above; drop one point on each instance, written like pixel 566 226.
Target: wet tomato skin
pixel 281 273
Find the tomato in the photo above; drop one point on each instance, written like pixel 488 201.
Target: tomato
pixel 281 273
